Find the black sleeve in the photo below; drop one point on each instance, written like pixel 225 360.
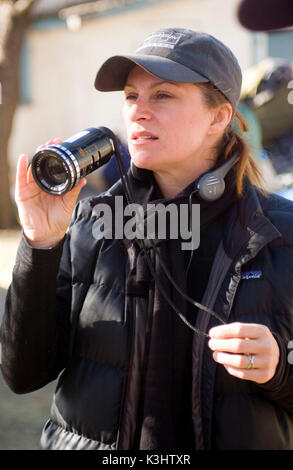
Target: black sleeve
pixel 280 388
pixel 35 327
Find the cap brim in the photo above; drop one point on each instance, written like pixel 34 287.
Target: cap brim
pixel 113 73
pixel 265 15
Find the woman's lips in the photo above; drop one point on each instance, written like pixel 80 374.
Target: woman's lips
pixel 142 137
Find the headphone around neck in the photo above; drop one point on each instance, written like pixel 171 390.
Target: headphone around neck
pixel 211 185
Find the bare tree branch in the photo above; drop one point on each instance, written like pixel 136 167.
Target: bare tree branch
pixel 6 12
pixel 23 6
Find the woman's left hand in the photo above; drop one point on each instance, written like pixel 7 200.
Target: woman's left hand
pixel 248 351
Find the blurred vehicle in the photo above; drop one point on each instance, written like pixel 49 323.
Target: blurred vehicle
pixel 265 92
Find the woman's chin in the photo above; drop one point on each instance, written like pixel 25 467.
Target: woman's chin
pixel 142 162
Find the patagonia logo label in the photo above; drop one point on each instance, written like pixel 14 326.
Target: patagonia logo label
pixel 168 40
pixel 251 274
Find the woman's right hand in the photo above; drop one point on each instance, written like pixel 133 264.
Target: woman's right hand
pixel 44 217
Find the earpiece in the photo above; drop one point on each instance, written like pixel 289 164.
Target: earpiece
pixel 211 185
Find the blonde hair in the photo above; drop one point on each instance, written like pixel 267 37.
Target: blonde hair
pixel 232 141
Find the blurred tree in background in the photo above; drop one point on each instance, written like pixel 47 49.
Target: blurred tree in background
pixel 14 20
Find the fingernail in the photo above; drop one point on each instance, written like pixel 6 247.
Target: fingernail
pixel 212 331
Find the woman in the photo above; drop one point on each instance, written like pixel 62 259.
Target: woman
pixel 133 375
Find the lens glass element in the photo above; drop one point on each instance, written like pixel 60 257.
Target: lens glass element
pixel 53 171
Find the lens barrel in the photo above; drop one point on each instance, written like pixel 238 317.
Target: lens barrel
pixel 58 168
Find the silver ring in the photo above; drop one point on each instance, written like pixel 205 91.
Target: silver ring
pixel 250 358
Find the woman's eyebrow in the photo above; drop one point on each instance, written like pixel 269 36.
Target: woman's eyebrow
pixel 162 82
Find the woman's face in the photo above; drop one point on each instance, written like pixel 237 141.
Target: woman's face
pixel 167 124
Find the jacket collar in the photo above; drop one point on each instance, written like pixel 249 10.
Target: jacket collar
pixel 248 229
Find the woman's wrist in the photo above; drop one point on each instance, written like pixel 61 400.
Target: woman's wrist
pixel 47 244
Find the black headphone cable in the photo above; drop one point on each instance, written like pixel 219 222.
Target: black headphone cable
pixel 130 199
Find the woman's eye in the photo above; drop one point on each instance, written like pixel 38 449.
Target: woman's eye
pixel 162 95
pixel 130 96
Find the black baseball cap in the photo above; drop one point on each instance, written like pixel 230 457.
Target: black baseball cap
pixel 265 15
pixel 178 55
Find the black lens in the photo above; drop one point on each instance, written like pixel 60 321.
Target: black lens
pixel 58 168
pixel 53 171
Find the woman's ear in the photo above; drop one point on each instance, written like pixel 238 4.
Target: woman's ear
pixel 222 116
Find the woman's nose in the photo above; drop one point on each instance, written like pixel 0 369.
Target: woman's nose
pixel 140 109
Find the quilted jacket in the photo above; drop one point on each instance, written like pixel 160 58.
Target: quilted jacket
pixel 69 314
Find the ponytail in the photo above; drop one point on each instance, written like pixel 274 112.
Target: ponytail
pixel 232 141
